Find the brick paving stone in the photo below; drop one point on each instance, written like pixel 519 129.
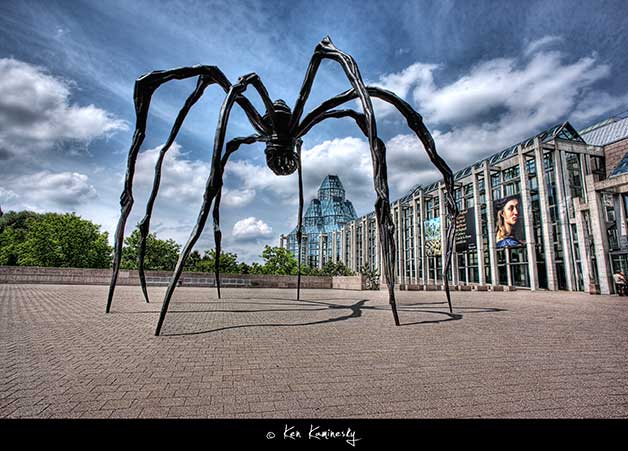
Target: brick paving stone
pixel 154 412
pixel 97 414
pixel 260 354
pixel 126 413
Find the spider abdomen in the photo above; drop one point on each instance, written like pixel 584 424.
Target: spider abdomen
pixel 280 155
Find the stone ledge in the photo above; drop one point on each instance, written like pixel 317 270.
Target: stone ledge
pixel 91 276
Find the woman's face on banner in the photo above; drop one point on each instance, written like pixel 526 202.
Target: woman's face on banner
pixel 511 212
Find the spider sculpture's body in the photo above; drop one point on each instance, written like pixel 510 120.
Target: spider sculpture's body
pixel 281 129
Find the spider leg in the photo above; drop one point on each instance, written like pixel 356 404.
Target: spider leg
pixel 300 218
pixel 213 185
pixel 382 204
pixel 144 224
pixel 232 146
pixel 415 122
pixel 326 49
pixel 145 86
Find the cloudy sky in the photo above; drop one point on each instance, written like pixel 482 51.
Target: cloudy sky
pixel 484 75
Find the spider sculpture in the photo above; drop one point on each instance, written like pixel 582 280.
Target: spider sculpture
pixel 281 130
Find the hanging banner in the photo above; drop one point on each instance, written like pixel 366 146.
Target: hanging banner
pixel 508 222
pixel 465 231
pixel 433 247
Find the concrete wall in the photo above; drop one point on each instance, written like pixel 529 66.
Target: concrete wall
pixel 349 282
pixel 88 276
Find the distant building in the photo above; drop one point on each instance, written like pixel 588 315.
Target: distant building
pixel 571 189
pixel 325 214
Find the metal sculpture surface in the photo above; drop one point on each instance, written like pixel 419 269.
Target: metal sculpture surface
pixel 281 130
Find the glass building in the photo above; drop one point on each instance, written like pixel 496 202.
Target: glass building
pixel 325 215
pixel 572 193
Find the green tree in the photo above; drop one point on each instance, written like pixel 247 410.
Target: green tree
pixel 331 268
pixel 160 254
pixel 192 261
pixel 13 228
pixel 308 270
pixel 18 220
pixel 256 268
pixel 63 240
pixel 372 277
pixel 228 263
pixel 278 261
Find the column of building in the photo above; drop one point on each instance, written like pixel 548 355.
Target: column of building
pixel 365 242
pixel 343 244
pixel 528 220
pixel 321 249
pixel 415 241
pixel 479 241
pixel 563 197
pixel 600 237
pixel 546 219
pixel 400 229
pixel 378 252
pixel 454 253
pixel 422 256
pixel 582 208
pixel 353 251
pixel 443 227
pixel 490 219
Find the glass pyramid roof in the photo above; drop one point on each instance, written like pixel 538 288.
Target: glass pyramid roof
pixel 330 210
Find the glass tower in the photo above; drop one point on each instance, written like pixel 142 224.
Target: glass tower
pixel 325 214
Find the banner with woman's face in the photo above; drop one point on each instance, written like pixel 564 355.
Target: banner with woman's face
pixel 508 222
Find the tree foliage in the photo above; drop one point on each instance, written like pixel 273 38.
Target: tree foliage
pixel 372 277
pixel 160 254
pixel 52 239
pixel 338 268
pixel 278 261
pixel 66 240
pixel 228 263
pixel 13 228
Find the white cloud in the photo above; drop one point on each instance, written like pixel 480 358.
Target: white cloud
pixel 545 41
pixel 251 228
pixel 47 190
pixel 237 197
pixel 260 177
pixel 36 113
pixel 7 196
pixel 499 102
pixel 501 84
pixel 597 103
pixel 417 76
pixel 408 164
pixel 182 180
pixel 350 159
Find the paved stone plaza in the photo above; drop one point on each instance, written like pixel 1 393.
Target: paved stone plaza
pixel 335 354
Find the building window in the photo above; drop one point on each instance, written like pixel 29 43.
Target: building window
pixel 598 168
pixel 408 241
pixel 496 185
pixel 468 195
pixel 358 244
pixel 419 242
pixel 574 174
